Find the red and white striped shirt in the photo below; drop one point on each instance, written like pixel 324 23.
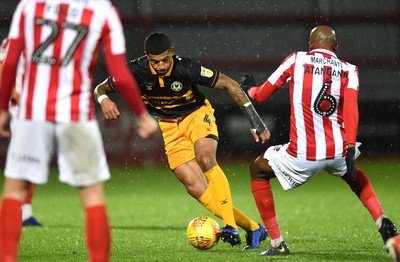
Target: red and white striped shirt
pixel 318 80
pixel 59 40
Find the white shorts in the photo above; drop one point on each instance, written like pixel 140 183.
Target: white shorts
pixel 80 152
pixel 293 172
pixel 12 109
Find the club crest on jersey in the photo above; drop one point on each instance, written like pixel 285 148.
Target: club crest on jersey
pixel 206 72
pixel 176 86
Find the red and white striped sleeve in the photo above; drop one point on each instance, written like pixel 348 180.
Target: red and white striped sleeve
pixel 11 59
pixel 114 51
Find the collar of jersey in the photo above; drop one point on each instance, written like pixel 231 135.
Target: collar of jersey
pixel 166 74
pixel 323 50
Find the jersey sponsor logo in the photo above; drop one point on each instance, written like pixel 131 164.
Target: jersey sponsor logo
pixel 206 72
pixel 26 158
pixel 176 86
pixel 287 176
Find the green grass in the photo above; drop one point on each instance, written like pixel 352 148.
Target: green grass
pixel 149 211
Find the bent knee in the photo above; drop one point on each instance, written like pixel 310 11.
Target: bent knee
pixel 206 162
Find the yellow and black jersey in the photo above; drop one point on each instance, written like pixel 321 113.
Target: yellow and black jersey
pixel 177 92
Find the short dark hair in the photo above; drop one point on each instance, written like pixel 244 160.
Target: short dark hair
pixel 157 43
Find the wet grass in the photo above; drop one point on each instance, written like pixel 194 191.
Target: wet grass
pixel 149 211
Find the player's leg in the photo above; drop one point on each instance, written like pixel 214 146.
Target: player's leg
pixel 27 214
pixel 205 151
pixel 14 192
pixel 98 235
pixel 261 173
pixel 82 164
pixel 191 175
pixel 34 141
pixel 393 248
pixel 362 187
pixel 181 159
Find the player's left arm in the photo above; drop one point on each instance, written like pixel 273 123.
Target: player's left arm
pixel 350 107
pixel 258 128
pixel 351 118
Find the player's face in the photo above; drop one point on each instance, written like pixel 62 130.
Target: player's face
pixel 161 63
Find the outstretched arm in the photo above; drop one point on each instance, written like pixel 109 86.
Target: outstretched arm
pixel 226 83
pixel 258 128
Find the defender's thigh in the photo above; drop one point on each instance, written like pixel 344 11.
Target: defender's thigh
pixel 81 156
pixel 290 171
pixel 30 151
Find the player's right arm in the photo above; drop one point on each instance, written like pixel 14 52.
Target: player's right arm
pixel 108 107
pixel 146 123
pixel 114 53
pixel 276 81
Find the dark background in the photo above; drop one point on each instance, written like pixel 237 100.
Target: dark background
pixel 254 36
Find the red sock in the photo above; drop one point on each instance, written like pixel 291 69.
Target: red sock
pixel 29 194
pixel 363 189
pixel 264 199
pixel 10 229
pixel 98 234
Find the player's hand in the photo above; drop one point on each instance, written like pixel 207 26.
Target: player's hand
pixel 5 124
pixel 247 81
pixel 147 126
pixel 351 163
pixel 264 135
pixel 110 109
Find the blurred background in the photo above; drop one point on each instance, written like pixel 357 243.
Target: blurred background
pixel 236 36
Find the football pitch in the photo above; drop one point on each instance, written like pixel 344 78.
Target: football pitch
pixel 149 210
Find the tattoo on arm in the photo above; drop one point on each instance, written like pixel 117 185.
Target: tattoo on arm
pixel 226 83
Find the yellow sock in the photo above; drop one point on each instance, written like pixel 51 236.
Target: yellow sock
pixel 206 199
pixel 241 219
pixel 221 194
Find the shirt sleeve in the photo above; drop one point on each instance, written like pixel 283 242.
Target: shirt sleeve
pixel 114 39
pixel 284 72
pixel 350 107
pixel 276 81
pixel 114 51
pixel 11 59
pixel 201 74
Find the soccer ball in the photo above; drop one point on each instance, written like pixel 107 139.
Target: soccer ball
pixel 393 248
pixel 203 232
